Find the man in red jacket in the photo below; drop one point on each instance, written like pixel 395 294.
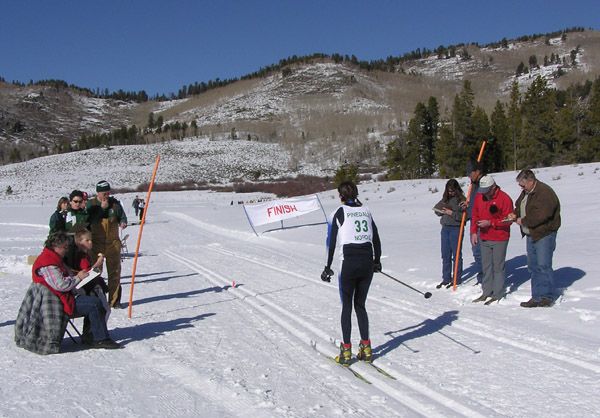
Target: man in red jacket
pixel 490 210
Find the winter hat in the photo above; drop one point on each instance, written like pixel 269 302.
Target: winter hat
pixel 102 186
pixel 485 184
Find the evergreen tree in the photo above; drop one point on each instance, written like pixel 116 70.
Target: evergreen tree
pixel 481 132
pixel 537 141
pixel 151 120
pixel 394 157
pixel 589 149
pixel 346 172
pixel 458 140
pixel 515 124
pixel 431 135
pixel 413 155
pixel 14 156
pixel 533 61
pixel 415 143
pixel 566 129
pixel 82 143
pixel 502 144
pixel 450 161
pixel 462 115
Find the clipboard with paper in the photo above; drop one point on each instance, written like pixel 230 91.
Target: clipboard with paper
pixel 91 276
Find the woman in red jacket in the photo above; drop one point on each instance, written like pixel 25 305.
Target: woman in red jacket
pixel 490 210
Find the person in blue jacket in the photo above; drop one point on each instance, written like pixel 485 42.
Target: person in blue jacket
pixel 353 228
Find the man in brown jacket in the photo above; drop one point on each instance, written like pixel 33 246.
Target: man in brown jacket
pixel 106 216
pixel 537 212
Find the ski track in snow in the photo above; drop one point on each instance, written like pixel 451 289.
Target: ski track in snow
pixel 274 313
pixel 533 347
pixel 554 351
pixel 321 341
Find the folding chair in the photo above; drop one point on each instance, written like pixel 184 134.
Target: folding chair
pixel 74 328
pixel 124 249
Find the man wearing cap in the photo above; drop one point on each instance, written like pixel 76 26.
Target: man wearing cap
pixel 537 212
pixel 489 218
pixel 476 172
pixel 106 215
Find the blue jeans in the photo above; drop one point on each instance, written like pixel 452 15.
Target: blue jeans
pixel 539 264
pixel 92 309
pixel 449 240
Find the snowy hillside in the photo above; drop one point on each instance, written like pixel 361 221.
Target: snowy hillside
pixel 194 159
pixel 276 96
pixel 312 100
pixel 197 346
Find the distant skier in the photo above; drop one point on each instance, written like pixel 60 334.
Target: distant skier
pixel 136 205
pixel 141 207
pixel 360 257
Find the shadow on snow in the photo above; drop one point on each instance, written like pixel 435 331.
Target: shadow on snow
pixel 427 327
pixel 160 279
pixel 181 295
pixel 154 329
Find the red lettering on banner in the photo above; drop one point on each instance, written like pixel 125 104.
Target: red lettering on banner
pixel 281 209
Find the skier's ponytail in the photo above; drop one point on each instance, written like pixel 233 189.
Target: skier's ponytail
pixel 349 193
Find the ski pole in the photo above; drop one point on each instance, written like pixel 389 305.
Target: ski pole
pixel 426 294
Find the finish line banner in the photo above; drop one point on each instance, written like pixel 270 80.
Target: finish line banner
pixel 278 210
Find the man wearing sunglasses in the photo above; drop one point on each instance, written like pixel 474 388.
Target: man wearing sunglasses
pixel 75 219
pixel 76 215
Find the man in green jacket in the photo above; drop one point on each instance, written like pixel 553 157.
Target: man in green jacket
pixel 537 212
pixel 106 215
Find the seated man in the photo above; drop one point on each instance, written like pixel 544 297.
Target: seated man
pixel 49 271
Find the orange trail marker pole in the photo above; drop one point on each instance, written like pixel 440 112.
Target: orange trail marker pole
pixel 139 240
pixel 463 220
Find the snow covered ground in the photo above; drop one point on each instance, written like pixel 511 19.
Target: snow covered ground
pixel 196 346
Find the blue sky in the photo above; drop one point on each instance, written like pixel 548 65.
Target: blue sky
pixel 159 46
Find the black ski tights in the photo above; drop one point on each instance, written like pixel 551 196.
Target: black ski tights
pixel 355 279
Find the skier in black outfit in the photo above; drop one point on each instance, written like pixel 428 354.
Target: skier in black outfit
pixel 360 256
